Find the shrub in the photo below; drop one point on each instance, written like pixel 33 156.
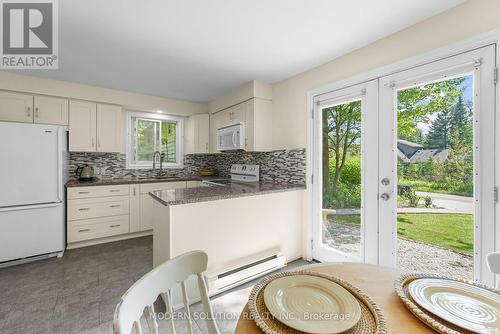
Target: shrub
pixel 352 171
pixel 412 198
pixel 428 201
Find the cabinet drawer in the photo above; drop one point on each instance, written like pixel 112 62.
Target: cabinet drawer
pixel 98 191
pixel 97 228
pixel 148 187
pixel 86 208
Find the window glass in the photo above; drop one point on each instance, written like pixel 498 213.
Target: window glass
pixel 150 133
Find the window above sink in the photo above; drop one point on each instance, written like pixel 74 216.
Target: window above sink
pixel 148 133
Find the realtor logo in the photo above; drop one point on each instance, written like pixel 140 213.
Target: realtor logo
pixel 29 34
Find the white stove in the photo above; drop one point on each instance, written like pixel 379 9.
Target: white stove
pixel 239 173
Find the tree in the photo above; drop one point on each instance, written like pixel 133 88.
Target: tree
pixel 439 131
pixel 341 133
pixel 416 104
pixel 457 119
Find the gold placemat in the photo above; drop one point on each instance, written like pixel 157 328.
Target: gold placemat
pixel 430 319
pixel 371 322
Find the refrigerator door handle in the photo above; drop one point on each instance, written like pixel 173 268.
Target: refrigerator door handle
pixel 29 207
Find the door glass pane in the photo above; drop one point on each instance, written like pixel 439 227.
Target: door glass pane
pixel 435 178
pixel 341 179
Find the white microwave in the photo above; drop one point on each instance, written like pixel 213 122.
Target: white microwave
pixel 231 137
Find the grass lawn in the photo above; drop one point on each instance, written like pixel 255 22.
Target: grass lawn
pixel 449 231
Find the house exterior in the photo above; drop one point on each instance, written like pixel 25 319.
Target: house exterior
pixel 409 152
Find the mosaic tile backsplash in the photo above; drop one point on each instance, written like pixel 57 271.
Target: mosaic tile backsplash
pixel 281 166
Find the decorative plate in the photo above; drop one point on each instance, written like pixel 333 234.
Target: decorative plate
pixel 465 305
pixel 312 304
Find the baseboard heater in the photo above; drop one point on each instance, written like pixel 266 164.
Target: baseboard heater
pixel 246 270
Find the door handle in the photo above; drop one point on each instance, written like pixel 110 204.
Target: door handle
pixel 114 206
pixel 36 112
pixel 29 111
pixel 84 230
pixel 385 196
pixel 83 209
pixel 385 181
pixel 113 226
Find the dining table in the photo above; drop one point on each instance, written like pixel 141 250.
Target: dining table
pixel 375 281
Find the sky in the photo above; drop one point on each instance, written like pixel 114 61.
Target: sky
pixel 424 126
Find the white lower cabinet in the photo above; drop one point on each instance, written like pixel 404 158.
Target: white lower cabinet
pixel 96 212
pixel 135 208
pixel 86 229
pixel 98 207
pixel 146 221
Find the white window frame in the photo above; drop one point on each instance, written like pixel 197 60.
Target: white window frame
pixel 179 140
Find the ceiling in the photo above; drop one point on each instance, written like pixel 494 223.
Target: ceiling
pixel 197 50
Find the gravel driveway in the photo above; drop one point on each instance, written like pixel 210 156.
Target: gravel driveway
pixel 412 256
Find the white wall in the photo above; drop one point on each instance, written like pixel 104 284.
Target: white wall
pixel 30 84
pixel 290 96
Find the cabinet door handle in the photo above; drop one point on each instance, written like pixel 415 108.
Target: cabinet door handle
pixel 84 192
pixel 115 206
pixel 206 147
pixel 36 112
pixel 246 142
pixel 93 142
pixel 98 143
pixel 113 226
pixel 134 191
pixel 29 111
pixel 114 190
pixel 84 230
pixel 83 209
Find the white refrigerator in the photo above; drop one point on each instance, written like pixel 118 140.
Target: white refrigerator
pixel 32 176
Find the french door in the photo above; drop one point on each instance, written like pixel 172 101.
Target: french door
pixel 404 169
pixel 346 139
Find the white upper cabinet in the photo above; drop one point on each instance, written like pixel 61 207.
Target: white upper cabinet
pixel 16 107
pixel 51 110
pixel 109 128
pixel 250 104
pixel 82 126
pixel 95 127
pixel 197 134
pixel 256 113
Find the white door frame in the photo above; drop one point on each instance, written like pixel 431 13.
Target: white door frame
pixel 480 63
pixel 481 40
pixel 367 92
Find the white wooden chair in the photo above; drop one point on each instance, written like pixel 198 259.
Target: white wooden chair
pixel 493 260
pixel 139 298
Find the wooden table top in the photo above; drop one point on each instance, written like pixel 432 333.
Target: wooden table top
pixel 377 282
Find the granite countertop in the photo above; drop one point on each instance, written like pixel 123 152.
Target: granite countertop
pixel 135 180
pixel 213 193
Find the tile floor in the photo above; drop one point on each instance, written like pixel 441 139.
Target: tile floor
pixel 78 293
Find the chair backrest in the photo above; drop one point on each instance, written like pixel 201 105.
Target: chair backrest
pixel 159 282
pixel 493 260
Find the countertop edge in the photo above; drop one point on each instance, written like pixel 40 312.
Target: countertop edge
pixel 155 196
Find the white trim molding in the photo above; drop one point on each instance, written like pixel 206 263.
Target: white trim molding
pixel 451 50
pixel 179 139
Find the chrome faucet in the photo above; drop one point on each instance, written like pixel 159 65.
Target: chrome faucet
pixel 162 156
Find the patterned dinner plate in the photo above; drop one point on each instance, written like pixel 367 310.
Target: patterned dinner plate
pixel 312 304
pixel 465 305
